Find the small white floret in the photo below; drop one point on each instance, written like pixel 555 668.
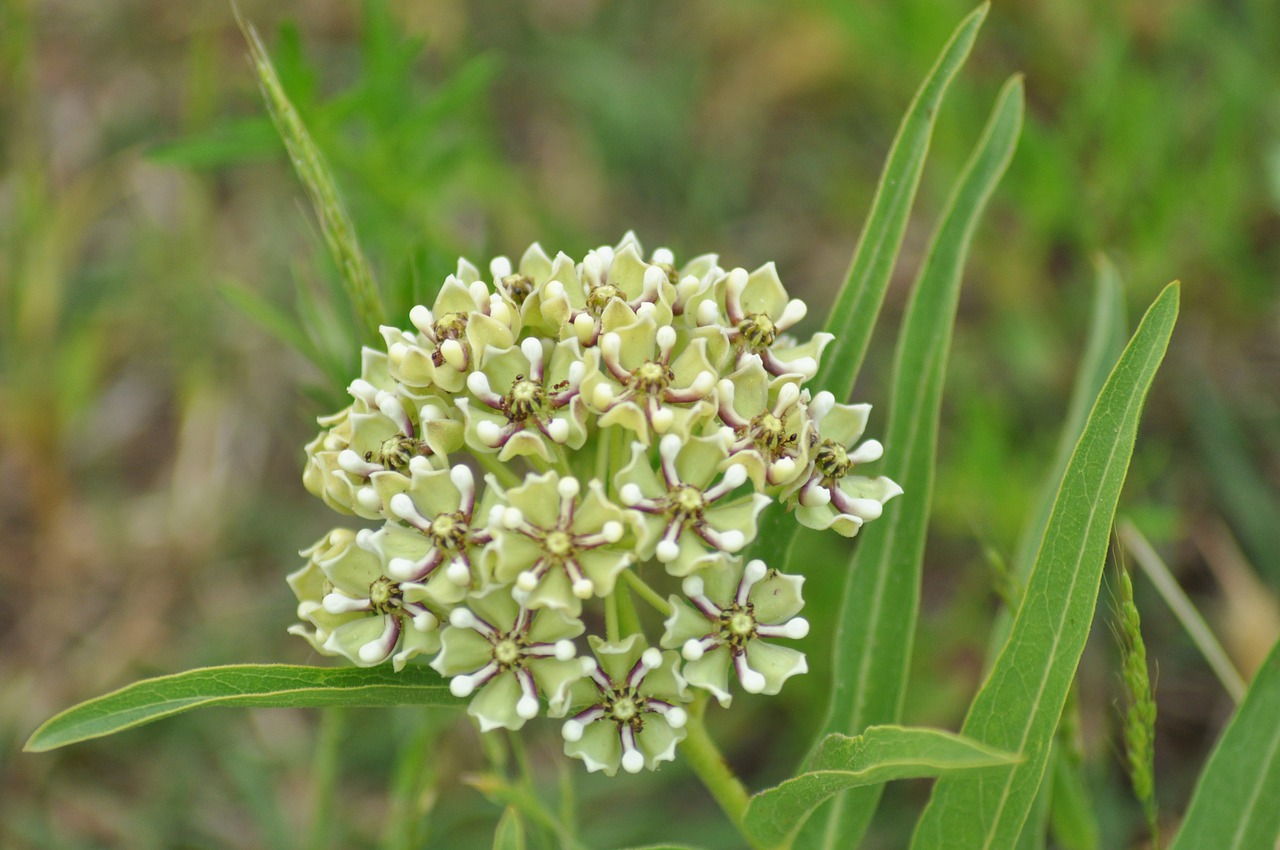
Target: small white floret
pixel 490 433
pixel 452 352
pixel 458 573
pixel 792 313
pixel 368 499
pixel 422 319
pixel 602 396
pixel 565 650
pixel 500 267
pixel 667 551
pixel 527 581
pixel 462 686
pixel 666 338
pixel 419 465
pixel 752 682
pixel 707 314
pixel 631 495
pixel 583 588
pixel 693 586
pixel 733 540
pixel 869 451
pixel 754 571
pixel 612 531
pixel 425 621
pixel 795 628
pixel 462 618
pixel 372 652
pixel 571 731
pixel 402 506
pixel 652 657
pixel 735 476
pixel 401 568
pixel 676 717
pixel 568 488
pixel 558 430
pixel 663 419
pixel 664 257
pixel 633 761
pixel 527 707
pixel 478 383
pixel 692 650
pixel 532 350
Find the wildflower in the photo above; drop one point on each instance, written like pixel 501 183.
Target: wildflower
pixel 832 497
pixel 689 523
pixel 508 656
pixel 632 716
pixel 756 604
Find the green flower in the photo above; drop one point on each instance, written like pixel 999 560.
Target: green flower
pixel 528 287
pixel 527 398
pixel 830 496
pixel 767 422
pixel 507 656
pixel 689 523
pixel 754 314
pixel 646 387
pixel 631 714
pixel 754 603
pixel 356 610
pixel 558 549
pixel 440 506
pixel 464 320
pixel 614 288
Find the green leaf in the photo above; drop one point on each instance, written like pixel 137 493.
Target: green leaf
pixel 1102 347
pixel 271 319
pixel 259 685
pixel 857 307
pixel 1018 707
pixel 1234 804
pixel 873 639
pixel 237 141
pixel 880 754
pixel 510 832
pixel 335 223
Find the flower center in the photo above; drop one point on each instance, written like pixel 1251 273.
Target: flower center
pixel 600 297
pixel 688 500
pixel 651 377
pixel 526 399
pixel 770 433
pixel 624 709
pixel 507 653
pixel 518 286
pixel 396 452
pixel 758 330
pixel 558 543
pixel 832 460
pixel 450 326
pixel 384 595
pixel 449 530
pixel 738 625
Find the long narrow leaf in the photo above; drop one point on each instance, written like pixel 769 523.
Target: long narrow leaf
pixel 857 307
pixel 261 685
pixel 880 754
pixel 1103 344
pixel 1018 707
pixel 873 640
pixel 1234 804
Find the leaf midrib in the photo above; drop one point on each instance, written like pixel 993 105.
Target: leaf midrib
pixel 1257 787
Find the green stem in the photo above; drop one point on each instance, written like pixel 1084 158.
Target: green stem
pixel 647 593
pixel 324 772
pixel 611 631
pixel 708 764
pixel 628 617
pixel 500 470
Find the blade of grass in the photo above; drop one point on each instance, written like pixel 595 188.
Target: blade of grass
pixel 1167 586
pixel 857 306
pixel 1019 706
pixel 261 685
pixel 335 223
pixel 873 640
pixel 1234 804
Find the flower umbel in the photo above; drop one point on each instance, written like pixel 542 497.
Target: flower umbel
pixel 530 439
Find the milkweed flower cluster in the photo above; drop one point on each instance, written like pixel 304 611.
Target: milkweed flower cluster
pixel 551 438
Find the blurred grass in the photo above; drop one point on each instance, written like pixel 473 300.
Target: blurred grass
pixel 150 433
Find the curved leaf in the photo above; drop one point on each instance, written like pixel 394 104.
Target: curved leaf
pixel 1234 804
pixel 262 685
pixel 880 754
pixel 1018 707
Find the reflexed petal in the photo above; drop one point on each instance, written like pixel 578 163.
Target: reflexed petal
pixel 495 704
pixel 555 679
pixel 775 663
pixel 777 598
pixel 657 740
pixel 599 748
pixel 461 651
pixel 711 673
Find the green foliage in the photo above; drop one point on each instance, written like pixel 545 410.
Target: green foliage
pixel 510 832
pixel 874 638
pixel 1140 708
pixel 1019 706
pixel 880 754
pixel 254 685
pixel 1234 804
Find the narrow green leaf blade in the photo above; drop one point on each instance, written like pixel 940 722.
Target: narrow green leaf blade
pixel 260 685
pixel 1234 804
pixel 877 622
pixel 335 223
pixel 1018 707
pixel 880 754
pixel 857 306
pixel 1103 343
pixel 854 315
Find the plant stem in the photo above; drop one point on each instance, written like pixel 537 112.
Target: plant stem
pixel 490 462
pixel 709 766
pixel 324 773
pixel 647 593
pixel 611 630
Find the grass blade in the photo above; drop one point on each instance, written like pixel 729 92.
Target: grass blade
pixel 880 754
pixel 878 614
pixel 1234 804
pixel 1167 586
pixel 260 685
pixel 1019 706
pixel 335 223
pixel 510 832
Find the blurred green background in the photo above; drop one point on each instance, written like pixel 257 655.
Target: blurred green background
pixel 151 431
